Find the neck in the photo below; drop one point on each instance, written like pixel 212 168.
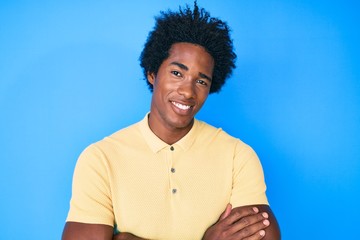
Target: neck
pixel 168 134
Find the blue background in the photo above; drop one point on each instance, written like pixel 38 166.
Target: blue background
pixel 69 75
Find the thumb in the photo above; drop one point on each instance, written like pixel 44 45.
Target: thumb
pixel 226 212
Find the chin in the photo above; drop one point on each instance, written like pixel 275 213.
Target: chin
pixel 183 124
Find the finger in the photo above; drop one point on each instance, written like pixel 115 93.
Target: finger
pixel 226 212
pixel 240 212
pixel 250 224
pixel 254 231
pixel 251 220
pixel 256 236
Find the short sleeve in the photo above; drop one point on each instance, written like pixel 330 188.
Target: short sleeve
pixel 91 195
pixel 248 178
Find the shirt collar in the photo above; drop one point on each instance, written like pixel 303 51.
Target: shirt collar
pixel 156 144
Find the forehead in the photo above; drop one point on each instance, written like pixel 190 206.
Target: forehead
pixel 188 53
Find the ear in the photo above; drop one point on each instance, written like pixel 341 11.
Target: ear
pixel 151 78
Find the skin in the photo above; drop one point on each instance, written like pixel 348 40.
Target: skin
pixel 246 222
pixel 181 87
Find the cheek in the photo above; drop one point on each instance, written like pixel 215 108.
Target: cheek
pixel 202 96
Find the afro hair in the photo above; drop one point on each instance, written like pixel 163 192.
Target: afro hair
pixel 190 26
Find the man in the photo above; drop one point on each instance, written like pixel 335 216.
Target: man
pixel 171 176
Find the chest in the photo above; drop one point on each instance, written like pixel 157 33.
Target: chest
pixel 171 194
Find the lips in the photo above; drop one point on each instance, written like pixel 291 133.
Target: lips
pixel 181 106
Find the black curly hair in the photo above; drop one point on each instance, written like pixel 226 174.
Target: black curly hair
pixel 191 26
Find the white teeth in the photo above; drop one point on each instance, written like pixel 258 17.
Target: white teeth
pixel 181 106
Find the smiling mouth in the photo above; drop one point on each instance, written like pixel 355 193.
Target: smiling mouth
pixel 181 106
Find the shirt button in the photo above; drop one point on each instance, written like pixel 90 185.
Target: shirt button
pixel 174 191
pixel 173 170
pixel 172 148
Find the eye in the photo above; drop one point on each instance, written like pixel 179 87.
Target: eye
pixel 202 82
pixel 176 73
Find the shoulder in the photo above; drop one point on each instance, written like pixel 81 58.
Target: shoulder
pixel 112 144
pixel 217 134
pixel 219 140
pixel 125 135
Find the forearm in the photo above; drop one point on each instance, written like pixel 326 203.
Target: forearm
pixel 246 222
pixel 272 232
pixel 127 236
pixel 84 231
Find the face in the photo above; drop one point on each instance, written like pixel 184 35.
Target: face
pixel 180 88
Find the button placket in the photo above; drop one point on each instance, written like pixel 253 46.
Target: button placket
pixel 172 170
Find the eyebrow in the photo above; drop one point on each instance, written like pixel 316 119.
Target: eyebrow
pixel 184 67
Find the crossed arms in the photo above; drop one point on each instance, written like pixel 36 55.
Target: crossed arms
pixel 247 223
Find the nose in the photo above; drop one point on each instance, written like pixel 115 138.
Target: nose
pixel 187 89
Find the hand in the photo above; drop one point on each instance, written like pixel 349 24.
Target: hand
pixel 126 236
pixel 245 223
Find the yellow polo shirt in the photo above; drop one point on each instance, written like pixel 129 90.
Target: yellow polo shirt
pixel 159 191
